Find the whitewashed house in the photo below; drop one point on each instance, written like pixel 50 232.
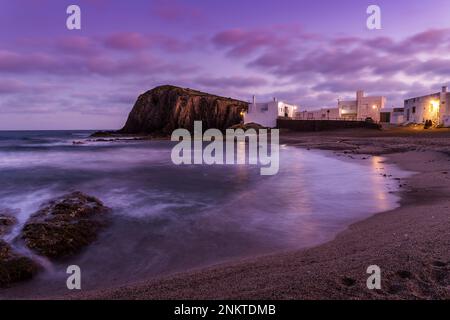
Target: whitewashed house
pixel 393 116
pixel 398 116
pixel 266 114
pixel 361 108
pixel 432 107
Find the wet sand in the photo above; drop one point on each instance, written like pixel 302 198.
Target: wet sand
pixel 410 244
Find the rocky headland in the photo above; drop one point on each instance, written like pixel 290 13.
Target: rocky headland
pixel 163 109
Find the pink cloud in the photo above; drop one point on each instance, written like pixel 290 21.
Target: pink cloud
pixel 433 36
pixel 241 43
pixel 10 86
pixel 381 56
pixel 19 62
pixel 172 10
pixel 13 86
pixel 134 42
pixel 77 45
pixel 101 64
pixel 127 41
pixel 231 82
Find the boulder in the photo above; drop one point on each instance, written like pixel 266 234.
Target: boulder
pixel 14 267
pixel 7 222
pixel 62 227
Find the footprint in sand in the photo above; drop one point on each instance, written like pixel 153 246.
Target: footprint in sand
pixel 404 274
pixel 439 264
pixel 440 273
pixel 349 282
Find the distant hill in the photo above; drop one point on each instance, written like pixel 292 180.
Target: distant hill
pixel 166 108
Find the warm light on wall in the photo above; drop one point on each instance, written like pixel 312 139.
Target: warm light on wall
pixel 374 107
pixel 435 105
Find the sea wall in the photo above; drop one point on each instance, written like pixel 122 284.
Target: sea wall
pixel 323 125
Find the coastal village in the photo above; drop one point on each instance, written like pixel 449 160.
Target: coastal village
pixel 430 110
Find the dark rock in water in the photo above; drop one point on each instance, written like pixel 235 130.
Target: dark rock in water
pixel 13 267
pixel 102 134
pixel 166 108
pixel 65 225
pixel 7 222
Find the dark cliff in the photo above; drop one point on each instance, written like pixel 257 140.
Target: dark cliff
pixel 166 108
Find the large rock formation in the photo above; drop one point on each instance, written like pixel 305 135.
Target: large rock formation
pixel 65 225
pixel 166 108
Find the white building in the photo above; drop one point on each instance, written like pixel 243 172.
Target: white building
pixel 361 108
pixel 392 116
pixel 432 107
pixel 398 116
pixel 266 114
pixel 320 114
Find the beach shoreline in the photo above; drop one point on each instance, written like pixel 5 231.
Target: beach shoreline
pixel 410 244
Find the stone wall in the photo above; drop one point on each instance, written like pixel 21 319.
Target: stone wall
pixel 323 125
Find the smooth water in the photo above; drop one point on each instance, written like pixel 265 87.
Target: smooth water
pixel 169 218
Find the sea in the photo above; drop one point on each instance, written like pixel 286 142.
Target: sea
pixel 169 218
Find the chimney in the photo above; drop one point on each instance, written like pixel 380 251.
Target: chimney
pixel 444 89
pixel 359 94
pixel 274 99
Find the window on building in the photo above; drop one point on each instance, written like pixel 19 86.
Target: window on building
pixel 414 110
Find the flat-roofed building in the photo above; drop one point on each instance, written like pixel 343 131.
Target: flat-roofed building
pixel 392 116
pixel 432 107
pixel 362 108
pixel 267 113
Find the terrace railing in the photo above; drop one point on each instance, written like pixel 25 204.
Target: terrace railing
pixel 297 117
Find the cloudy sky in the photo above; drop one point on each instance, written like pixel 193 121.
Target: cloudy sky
pixel 310 52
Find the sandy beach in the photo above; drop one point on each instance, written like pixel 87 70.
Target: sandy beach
pixel 410 244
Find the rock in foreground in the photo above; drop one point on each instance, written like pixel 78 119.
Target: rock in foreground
pixel 7 222
pixel 13 267
pixel 166 108
pixel 62 227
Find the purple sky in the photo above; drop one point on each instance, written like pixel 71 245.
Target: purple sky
pixel 309 52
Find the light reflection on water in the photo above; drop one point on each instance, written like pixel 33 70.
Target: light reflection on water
pixel 169 218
